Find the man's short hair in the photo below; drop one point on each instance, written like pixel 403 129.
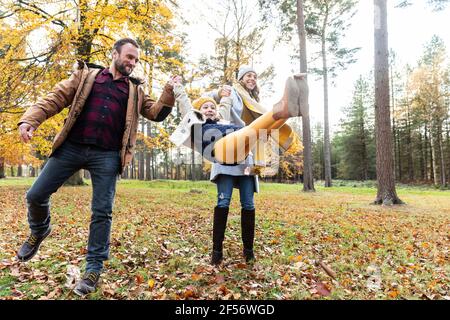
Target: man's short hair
pixel 119 43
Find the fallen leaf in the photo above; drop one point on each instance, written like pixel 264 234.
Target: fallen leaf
pixel 190 292
pixel 393 294
pixel 219 279
pixel 196 277
pixel 139 279
pixel 223 289
pixel 322 289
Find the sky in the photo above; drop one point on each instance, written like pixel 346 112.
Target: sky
pixel 409 30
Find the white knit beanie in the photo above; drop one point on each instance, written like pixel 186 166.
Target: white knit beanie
pixel 243 70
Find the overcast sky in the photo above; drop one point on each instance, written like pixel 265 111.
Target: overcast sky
pixel 409 30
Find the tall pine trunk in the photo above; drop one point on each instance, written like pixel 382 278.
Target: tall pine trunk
pixel 326 131
pixel 386 193
pixel 308 174
pixel 442 162
pixel 434 155
pixel 447 142
pixel 365 160
pixel 193 175
pixel 149 156
pixel 425 148
pixel 410 147
pixel 422 158
pixel 141 159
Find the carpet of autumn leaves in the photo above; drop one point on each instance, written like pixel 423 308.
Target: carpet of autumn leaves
pixel 331 244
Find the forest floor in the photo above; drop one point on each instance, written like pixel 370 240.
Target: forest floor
pixel 330 244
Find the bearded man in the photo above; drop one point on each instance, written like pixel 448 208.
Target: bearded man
pixel 98 135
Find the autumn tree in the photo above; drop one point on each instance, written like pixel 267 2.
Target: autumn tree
pixel 429 86
pixel 74 30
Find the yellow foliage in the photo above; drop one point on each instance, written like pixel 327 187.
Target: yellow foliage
pixel 291 162
pixel 38 50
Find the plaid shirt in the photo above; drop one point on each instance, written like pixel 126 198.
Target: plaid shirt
pixel 102 121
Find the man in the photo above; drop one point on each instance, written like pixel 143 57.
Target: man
pixel 99 135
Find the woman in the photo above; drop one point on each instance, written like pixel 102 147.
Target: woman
pixel 232 150
pixel 244 109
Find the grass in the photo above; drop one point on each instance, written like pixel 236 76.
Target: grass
pixel 161 240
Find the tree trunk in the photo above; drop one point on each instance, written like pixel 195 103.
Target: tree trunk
pixel 132 168
pixel 425 148
pixel 32 172
pixel 153 165
pixel 141 169
pixel 86 32
pixel 422 158
pixel 431 155
pixel 178 168
pixel 193 176
pixel 125 173
pixel 396 156
pixel 308 174
pixel 326 131
pixel 442 163
pixel 365 161
pixel 148 157
pixel 166 165
pixel 148 166
pixel 386 193
pixel 171 163
pixel 397 172
pixel 399 155
pixel 75 180
pixel 448 148
pixel 2 168
pixel 434 155
pixel 141 163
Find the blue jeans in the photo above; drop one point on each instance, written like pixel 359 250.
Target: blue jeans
pixel 104 167
pixel 246 186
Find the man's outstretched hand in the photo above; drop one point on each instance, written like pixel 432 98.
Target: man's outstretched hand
pixel 26 132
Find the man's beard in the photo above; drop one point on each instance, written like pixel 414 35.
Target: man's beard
pixel 122 69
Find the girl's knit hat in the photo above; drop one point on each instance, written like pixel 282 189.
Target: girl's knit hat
pixel 200 101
